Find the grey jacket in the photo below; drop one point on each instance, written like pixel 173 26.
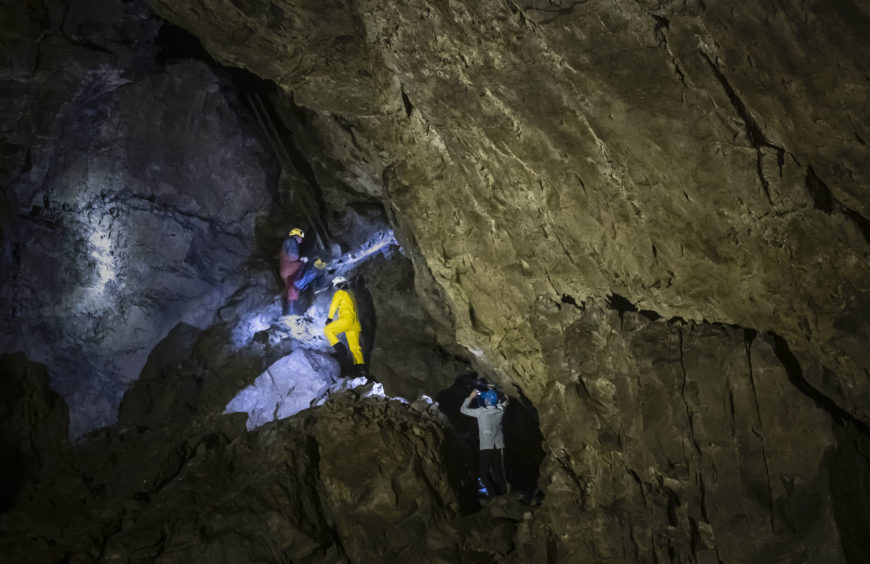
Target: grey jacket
pixel 488 424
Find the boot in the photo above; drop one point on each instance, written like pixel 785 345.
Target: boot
pixel 342 356
pixel 359 370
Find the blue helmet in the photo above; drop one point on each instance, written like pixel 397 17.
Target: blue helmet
pixel 490 398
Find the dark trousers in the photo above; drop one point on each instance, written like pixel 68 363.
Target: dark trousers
pixel 490 468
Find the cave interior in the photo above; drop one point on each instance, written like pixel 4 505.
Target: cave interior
pixel 644 223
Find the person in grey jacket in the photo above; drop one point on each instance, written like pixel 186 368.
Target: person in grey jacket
pixel 489 416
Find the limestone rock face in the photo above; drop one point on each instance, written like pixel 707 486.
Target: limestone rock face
pixel 678 433
pixel 702 161
pixel 133 193
pixel 699 160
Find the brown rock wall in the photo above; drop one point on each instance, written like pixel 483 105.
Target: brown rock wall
pixel 698 159
pixel 688 438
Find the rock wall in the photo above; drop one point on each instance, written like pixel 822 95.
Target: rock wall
pixel 685 439
pixel 133 191
pixel 702 161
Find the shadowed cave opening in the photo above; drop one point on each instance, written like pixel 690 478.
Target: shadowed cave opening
pixel 256 96
pixel 623 304
pixel 523 452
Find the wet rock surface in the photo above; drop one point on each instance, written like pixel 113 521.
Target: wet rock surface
pixel 688 439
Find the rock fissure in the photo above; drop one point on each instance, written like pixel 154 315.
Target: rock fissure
pixel 565 464
pixel 406 102
pixel 796 377
pixel 690 418
pixel 556 12
pixel 553 286
pixel 128 202
pixel 759 432
pixel 636 477
pixel 570 300
pixel 661 25
pixel 754 134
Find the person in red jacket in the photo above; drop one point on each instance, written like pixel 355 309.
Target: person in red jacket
pixel 290 268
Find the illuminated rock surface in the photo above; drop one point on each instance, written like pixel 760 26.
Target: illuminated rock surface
pixel 549 169
pixel 134 194
pixel 288 386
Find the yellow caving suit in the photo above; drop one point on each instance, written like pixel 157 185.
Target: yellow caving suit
pixel 347 323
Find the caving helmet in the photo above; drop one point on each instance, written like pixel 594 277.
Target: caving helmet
pixel 296 232
pixel 339 280
pixel 490 398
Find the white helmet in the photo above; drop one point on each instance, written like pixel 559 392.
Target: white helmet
pixel 339 280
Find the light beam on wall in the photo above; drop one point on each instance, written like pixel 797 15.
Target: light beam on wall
pixel 102 255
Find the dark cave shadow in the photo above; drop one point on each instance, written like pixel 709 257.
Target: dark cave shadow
pixel 11 475
pixel 523 439
pixel 365 306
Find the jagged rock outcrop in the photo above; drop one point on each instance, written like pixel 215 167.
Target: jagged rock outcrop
pixel 655 151
pixel 34 422
pixel 164 394
pixel 356 480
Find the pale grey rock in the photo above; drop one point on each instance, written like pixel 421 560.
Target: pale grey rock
pixel 288 386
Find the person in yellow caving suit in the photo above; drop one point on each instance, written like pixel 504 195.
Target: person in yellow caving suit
pixel 347 322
